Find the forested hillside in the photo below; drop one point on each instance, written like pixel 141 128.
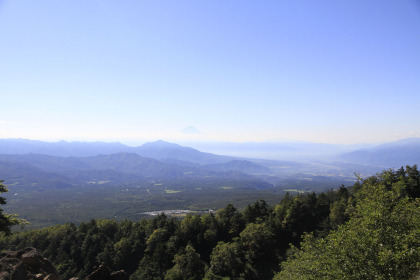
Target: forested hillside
pixel 381 240
pixel 368 231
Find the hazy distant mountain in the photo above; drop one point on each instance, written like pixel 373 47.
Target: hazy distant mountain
pixel 276 151
pixel 118 167
pixel 61 148
pixel 127 163
pixel 26 174
pixel 157 150
pixel 180 162
pixel 164 150
pixel 162 160
pixel 239 165
pixel 389 155
pixel 386 155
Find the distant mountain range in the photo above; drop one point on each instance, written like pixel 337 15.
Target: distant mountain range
pixel 23 162
pixel 404 151
pixel 61 148
pixel 65 163
pixel 159 150
pixel 389 155
pixel 162 150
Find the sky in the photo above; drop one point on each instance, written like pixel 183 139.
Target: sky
pixel 341 72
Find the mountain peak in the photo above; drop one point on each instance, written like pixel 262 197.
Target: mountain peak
pixel 165 150
pixel 160 144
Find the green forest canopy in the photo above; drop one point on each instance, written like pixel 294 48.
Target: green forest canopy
pixel 368 231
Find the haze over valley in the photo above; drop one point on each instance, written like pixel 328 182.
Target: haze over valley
pixel 83 180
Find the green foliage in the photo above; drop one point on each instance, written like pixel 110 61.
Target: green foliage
pixel 188 265
pixel 229 243
pixel 257 212
pixel 257 242
pixel 368 231
pixel 7 220
pixel 227 261
pixel 380 241
pixel 230 222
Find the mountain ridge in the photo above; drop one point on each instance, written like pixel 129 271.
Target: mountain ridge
pixel 162 150
pixel 114 168
pixel 395 154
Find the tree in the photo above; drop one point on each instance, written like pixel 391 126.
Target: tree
pixel 227 261
pixel 230 222
pixel 259 211
pixel 259 251
pixel 7 220
pixel 380 241
pixel 188 265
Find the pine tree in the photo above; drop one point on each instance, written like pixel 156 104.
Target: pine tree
pixel 7 220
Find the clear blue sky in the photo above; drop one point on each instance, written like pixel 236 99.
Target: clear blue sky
pixel 323 71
